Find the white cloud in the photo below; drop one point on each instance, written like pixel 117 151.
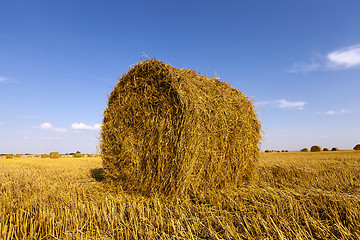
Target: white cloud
pixel 345 58
pixel 284 104
pixel 25 138
pixel 84 127
pixel 333 112
pixel 49 127
pixel 3 79
pixel 304 67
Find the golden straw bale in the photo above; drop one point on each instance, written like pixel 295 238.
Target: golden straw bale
pixel 334 149
pixel 17 155
pixel 44 155
pixel 357 147
pixel 315 149
pixel 325 149
pixel 304 150
pixel 9 156
pixel 167 130
pixel 54 155
pixel 77 155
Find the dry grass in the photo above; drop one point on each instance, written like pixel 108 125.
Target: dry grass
pixel 293 196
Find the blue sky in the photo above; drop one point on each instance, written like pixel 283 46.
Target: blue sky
pixel 299 61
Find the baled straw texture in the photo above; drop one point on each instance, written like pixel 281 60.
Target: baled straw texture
pixel 77 155
pixel 325 149
pixel 315 149
pixel 334 149
pixel 44 155
pixel 9 156
pixel 167 130
pixel 54 155
pixel 357 147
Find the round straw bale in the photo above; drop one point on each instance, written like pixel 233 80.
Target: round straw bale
pixel 325 149
pixel 17 155
pixel 44 155
pixel 334 149
pixel 167 130
pixel 315 149
pixel 54 155
pixel 267 151
pixel 304 150
pixel 77 155
pixel 357 147
pixel 9 156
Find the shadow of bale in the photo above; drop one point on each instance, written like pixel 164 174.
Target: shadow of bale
pixel 98 174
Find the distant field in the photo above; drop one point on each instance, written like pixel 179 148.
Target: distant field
pixel 293 195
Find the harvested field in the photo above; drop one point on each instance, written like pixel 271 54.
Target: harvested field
pixel 292 196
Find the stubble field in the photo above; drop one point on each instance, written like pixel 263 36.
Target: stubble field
pixel 293 195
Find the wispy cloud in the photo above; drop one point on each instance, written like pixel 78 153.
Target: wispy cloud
pixel 284 104
pixel 84 127
pixel 340 59
pixel 49 127
pixel 3 79
pixel 304 67
pixel 336 112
